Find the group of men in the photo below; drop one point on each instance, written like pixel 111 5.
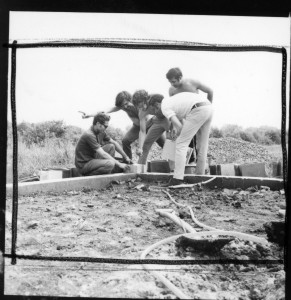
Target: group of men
pixel 184 114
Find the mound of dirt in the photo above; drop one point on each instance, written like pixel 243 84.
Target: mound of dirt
pixel 231 150
pixel 227 150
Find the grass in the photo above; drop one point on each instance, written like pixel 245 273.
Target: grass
pixel 61 152
pixel 275 150
pixel 31 159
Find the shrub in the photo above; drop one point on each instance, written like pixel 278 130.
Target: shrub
pixel 231 131
pixel 215 133
pixel 247 136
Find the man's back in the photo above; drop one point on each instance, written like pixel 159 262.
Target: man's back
pixel 187 85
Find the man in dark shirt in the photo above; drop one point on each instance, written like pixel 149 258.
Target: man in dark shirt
pixel 95 150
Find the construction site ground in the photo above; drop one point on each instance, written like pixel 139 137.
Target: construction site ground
pixel 120 221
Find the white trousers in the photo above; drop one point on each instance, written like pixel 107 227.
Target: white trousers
pixel 197 122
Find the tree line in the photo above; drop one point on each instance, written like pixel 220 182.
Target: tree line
pixel 39 133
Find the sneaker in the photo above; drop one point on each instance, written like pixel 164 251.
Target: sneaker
pixel 172 181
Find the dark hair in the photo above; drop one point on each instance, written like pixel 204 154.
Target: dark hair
pixel 174 73
pixel 140 96
pixel 155 98
pixel 121 97
pixel 101 118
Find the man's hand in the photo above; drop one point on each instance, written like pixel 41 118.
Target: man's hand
pixel 84 115
pixel 123 166
pixel 128 161
pixel 176 132
pixel 139 151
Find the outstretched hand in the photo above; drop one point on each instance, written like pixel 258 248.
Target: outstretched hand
pixel 128 161
pixel 138 151
pixel 84 115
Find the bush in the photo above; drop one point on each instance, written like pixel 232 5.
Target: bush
pixel 115 133
pixel 231 131
pixel 265 135
pixel 215 133
pixel 247 136
pixel 39 132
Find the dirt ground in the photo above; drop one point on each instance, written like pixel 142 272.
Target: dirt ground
pixel 121 221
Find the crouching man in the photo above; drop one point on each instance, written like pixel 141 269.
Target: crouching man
pixel 190 114
pixel 95 150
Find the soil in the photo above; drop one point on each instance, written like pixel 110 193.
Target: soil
pixel 121 221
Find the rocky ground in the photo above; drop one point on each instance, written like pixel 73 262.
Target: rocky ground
pixel 120 221
pixel 231 150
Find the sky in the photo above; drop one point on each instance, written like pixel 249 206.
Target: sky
pixel 54 84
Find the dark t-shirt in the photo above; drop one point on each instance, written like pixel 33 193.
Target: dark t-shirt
pixel 132 112
pixel 87 145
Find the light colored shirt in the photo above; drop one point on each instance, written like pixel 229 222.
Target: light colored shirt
pixel 180 105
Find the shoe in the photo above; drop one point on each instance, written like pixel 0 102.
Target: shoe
pixel 172 181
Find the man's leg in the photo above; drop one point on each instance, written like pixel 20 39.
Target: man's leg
pixel 97 167
pixel 202 146
pixel 193 122
pixel 129 138
pixel 110 149
pixel 164 123
pixel 154 133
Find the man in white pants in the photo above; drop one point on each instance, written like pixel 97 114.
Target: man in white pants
pixel 190 114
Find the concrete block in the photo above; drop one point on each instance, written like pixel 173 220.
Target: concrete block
pixel 171 164
pixel 226 170
pixel 75 172
pixel 136 168
pixel 253 170
pixel 213 170
pixel 54 174
pixel 159 166
pixel 237 170
pixel 277 169
pixel 190 169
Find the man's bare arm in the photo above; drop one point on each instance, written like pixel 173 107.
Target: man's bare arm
pixel 105 155
pixel 111 110
pixel 176 124
pixel 143 116
pixel 206 89
pixel 119 149
pixel 171 91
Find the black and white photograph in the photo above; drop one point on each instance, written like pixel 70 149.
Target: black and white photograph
pixel 146 156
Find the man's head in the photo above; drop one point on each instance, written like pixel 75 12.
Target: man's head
pixel 123 100
pixel 155 103
pixel 174 76
pixel 100 122
pixel 140 99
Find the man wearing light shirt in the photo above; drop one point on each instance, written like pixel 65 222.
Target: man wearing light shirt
pixel 190 114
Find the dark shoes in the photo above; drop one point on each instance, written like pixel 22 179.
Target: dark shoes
pixel 173 181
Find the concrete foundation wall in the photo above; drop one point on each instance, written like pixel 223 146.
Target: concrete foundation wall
pixel 67 184
pixel 230 182
pixel 101 181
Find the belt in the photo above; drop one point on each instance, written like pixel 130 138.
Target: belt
pixel 199 104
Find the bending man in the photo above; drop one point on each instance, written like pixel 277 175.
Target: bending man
pixel 190 114
pixel 152 130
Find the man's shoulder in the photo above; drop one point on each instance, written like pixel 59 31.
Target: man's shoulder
pixel 190 82
pixel 87 133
